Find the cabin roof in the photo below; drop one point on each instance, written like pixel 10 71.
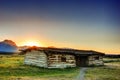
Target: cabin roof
pixel 65 50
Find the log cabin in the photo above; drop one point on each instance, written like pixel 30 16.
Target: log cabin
pixel 62 58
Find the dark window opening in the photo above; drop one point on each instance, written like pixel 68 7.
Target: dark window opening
pixel 63 59
pixel 97 58
pixel 71 58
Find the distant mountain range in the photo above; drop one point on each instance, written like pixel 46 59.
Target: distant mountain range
pixel 8 46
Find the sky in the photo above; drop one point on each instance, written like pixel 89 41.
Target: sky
pixel 79 24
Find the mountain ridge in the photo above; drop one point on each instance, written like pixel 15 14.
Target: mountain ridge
pixel 8 46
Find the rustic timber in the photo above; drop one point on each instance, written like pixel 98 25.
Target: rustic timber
pixel 62 58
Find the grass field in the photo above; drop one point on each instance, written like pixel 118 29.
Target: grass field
pixel 12 68
pixel 111 71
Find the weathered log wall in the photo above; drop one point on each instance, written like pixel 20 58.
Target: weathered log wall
pixel 55 61
pixel 36 58
pixel 95 60
pixel 58 60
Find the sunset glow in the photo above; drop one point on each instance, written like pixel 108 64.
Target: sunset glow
pixel 86 25
pixel 32 43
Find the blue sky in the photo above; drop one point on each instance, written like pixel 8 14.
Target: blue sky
pixel 82 24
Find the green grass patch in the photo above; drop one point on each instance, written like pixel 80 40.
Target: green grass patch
pixel 12 66
pixel 111 71
pixel 109 60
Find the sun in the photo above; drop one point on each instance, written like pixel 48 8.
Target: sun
pixel 32 43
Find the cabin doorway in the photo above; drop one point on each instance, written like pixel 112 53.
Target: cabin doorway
pixel 81 61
